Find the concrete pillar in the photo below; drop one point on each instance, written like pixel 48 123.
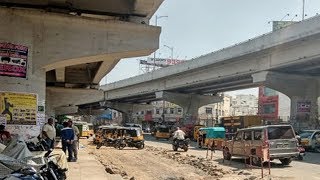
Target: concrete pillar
pixel 189 102
pixel 126 109
pixel 303 91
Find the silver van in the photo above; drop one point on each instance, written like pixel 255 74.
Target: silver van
pixel 281 140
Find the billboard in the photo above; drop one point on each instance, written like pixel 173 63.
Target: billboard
pixel 160 62
pixel 19 108
pixel 281 24
pixel 13 60
pixel 304 106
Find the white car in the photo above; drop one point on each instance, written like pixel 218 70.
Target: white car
pixel 310 139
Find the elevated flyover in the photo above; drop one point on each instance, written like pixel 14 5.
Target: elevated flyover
pixel 286 60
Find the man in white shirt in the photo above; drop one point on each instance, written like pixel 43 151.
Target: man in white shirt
pixel 49 133
pixel 178 134
pixel 75 145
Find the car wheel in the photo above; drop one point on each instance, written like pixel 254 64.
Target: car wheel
pixel 99 146
pixel 226 154
pixel 286 161
pixel 256 161
pixel 317 149
pixel 185 148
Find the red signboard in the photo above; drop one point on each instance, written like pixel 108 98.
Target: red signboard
pixel 268 105
pixel 13 60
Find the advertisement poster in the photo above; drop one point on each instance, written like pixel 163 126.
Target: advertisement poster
pixel 3 120
pixel 19 108
pixel 13 60
pixel 304 106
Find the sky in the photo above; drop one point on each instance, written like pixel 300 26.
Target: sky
pixel 195 28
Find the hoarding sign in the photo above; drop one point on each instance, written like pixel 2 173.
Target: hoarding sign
pixel 19 108
pixel 281 24
pixel 160 62
pixel 13 60
pixel 304 106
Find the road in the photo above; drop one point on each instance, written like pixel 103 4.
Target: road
pixel 157 161
pixel 308 169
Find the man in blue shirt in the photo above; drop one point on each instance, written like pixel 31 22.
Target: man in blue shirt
pixel 67 137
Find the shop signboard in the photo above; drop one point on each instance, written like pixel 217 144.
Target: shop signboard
pixel 13 60
pixel 19 108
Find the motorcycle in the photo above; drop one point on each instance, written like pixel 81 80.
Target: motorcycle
pixel 183 144
pixel 40 145
pixel 49 171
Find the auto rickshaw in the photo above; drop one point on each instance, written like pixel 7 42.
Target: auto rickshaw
pixel 196 131
pixel 211 136
pixel 163 132
pixel 135 137
pixel 106 136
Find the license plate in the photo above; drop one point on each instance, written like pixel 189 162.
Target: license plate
pixel 282 145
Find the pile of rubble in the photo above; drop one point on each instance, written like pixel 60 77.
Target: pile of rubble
pixel 112 169
pixel 200 163
pixel 197 162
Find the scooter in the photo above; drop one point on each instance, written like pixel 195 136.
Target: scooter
pixel 301 149
pixel 49 171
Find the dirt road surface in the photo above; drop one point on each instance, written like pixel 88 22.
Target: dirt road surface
pixel 157 161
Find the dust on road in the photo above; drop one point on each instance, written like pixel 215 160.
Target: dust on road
pixel 156 163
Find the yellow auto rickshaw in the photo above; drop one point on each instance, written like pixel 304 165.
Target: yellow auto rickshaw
pixel 106 135
pixel 134 137
pixel 196 131
pixel 163 132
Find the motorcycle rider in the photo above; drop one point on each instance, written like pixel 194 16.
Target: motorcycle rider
pixel 178 135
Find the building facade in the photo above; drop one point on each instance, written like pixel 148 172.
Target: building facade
pixel 242 105
pixel 273 106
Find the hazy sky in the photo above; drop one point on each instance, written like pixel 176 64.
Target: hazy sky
pixel 197 27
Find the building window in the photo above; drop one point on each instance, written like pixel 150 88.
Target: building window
pixel 157 111
pixel 269 109
pixel 142 112
pixel 208 110
pixel 179 110
pixel 171 110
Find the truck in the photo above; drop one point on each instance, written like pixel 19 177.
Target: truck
pixel 233 123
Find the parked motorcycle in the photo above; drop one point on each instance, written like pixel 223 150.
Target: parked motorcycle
pixel 39 145
pixel 49 171
pixel 182 144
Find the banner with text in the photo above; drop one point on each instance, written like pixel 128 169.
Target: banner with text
pixel 19 108
pixel 13 60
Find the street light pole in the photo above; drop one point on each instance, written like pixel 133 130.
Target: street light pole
pixel 154 54
pixel 171 48
pixel 303 4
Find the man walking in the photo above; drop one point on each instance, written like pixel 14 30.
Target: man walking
pixel 75 144
pixel 67 137
pixel 49 133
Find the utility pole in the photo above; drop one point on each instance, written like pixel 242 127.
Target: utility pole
pixel 154 54
pixel 303 4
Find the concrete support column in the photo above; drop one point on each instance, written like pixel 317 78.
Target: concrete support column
pixel 189 102
pixel 305 111
pixel 303 91
pixel 127 109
